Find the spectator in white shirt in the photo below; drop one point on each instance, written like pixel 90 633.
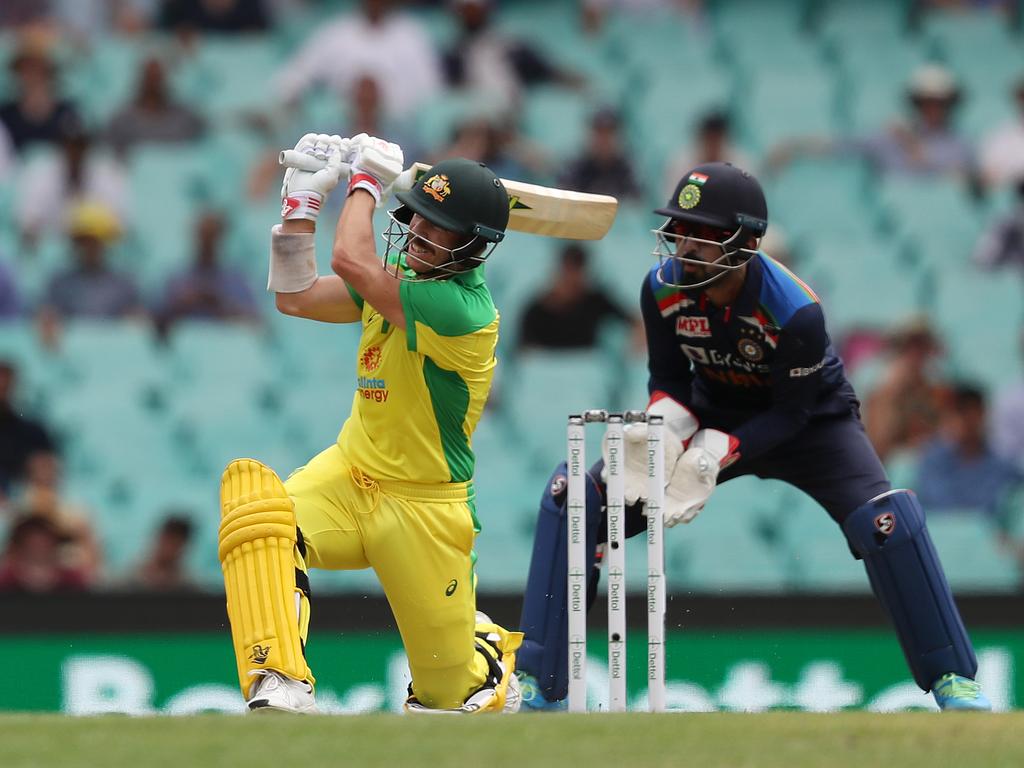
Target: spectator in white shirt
pixel 1002 151
pixel 392 48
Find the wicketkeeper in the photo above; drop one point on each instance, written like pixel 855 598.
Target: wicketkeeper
pixel 745 376
pixel 395 492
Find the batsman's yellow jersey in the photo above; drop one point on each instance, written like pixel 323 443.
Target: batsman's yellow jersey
pixel 420 391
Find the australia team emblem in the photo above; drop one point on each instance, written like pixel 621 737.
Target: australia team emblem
pixel 437 187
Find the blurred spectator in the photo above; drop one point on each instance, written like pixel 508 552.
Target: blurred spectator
pixel 17 13
pixel 364 113
pixel 903 411
pixel 10 305
pixel 221 16
pixel 926 144
pixel 1008 421
pixel 153 115
pixel 959 469
pixel 391 47
pixel 55 185
pixel 88 21
pixel 208 290
pixel 486 62
pixel 604 167
pixel 1002 150
pixel 500 147
pixel 164 565
pixel 37 113
pixel 21 436
pixel 89 288
pixel 712 142
pixel 572 311
pixel 31 561
pixel 41 495
pixel 7 157
pixel 1002 244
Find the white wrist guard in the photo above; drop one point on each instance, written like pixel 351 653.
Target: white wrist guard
pixel 292 261
pixel 301 205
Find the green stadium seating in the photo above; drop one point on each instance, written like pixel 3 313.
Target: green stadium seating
pixel 980 314
pixel 971 554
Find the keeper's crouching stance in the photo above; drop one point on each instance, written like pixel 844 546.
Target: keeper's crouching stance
pixel 744 375
pixel 395 492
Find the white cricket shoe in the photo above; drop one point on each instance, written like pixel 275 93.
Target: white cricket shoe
pixel 281 694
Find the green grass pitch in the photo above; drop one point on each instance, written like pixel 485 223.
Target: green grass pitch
pixel 784 739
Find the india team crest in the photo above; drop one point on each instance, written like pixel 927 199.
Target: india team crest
pixel 751 350
pixel 437 187
pixel 689 196
pixel 370 359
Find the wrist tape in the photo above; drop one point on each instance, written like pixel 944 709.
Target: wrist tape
pixel 292 261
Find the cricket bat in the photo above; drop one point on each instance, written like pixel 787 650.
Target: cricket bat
pixel 532 208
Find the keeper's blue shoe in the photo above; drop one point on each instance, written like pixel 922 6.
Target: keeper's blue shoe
pixel 532 698
pixel 952 692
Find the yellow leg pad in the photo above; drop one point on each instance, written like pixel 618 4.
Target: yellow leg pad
pixel 256 550
pixel 508 643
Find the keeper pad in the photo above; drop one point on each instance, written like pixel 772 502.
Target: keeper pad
pixel 256 550
pixel 889 534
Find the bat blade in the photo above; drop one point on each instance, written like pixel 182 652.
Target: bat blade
pixel 532 208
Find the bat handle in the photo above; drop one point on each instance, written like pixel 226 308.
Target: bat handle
pixel 290 158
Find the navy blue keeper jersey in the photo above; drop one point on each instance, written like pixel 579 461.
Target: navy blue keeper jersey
pixel 766 360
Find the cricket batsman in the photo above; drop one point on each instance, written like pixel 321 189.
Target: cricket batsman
pixel 745 376
pixel 395 492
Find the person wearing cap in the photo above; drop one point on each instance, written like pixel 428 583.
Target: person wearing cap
pixel 744 374
pixel 395 491
pixel 90 288
pixel 926 144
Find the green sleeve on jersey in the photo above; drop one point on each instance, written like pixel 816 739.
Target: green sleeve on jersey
pixel 355 296
pixel 448 307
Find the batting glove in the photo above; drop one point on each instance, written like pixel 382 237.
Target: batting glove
pixel 376 164
pixel 696 473
pixel 303 192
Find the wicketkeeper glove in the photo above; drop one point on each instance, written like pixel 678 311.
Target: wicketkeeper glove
pixel 303 192
pixel 695 474
pixel 680 424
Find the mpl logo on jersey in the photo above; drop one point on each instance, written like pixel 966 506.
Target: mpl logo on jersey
pixel 370 387
pixel 693 326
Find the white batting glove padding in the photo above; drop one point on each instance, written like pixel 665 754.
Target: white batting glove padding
pixel 680 424
pixel 376 164
pixel 695 475
pixel 303 192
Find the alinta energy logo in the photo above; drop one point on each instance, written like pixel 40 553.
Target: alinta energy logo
pixel 370 387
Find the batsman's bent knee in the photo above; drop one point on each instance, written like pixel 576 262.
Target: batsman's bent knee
pixel 256 548
pixel 889 534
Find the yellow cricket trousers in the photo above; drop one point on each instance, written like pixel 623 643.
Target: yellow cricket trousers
pixel 419 540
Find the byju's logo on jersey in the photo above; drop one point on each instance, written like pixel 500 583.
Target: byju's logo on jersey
pixel 694 327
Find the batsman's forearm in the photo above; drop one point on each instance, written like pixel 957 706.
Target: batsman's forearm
pixel 354 250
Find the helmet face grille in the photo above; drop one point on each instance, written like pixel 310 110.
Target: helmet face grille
pixel 671 251
pixel 401 264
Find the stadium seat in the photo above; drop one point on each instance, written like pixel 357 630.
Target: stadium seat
pixel 971 554
pixel 544 389
pixel 980 314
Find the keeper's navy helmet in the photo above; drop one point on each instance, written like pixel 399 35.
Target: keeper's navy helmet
pixel 713 204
